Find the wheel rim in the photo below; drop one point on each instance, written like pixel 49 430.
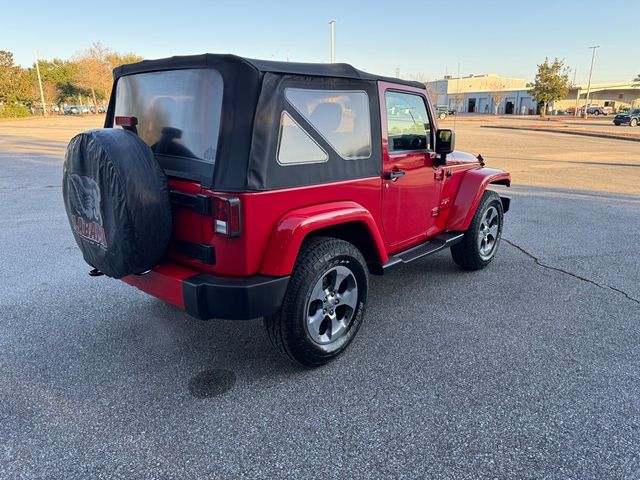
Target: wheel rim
pixel 332 305
pixel 488 233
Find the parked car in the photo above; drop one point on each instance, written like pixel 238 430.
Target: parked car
pixel 630 117
pixel 443 111
pixel 598 110
pixel 72 110
pixel 339 174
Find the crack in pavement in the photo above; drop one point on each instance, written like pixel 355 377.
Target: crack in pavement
pixel 557 269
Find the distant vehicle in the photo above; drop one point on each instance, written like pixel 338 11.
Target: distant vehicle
pixel 630 117
pixel 101 109
pixel 72 110
pixel 443 111
pixel 84 109
pixel 598 110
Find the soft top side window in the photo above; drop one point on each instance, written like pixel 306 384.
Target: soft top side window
pixel 341 117
pixel 408 125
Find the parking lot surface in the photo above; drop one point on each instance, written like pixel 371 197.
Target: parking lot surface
pixel 527 369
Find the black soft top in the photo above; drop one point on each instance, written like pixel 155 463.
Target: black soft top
pixel 252 103
pixel 214 60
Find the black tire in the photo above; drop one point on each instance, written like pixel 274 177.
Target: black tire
pixel 596 113
pixel 616 124
pixel 287 329
pixel 467 254
pixel 633 122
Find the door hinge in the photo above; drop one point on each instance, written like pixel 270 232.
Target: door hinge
pixel 435 211
pixel 438 175
pixel 198 202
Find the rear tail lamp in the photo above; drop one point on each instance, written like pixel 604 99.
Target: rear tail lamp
pixel 226 216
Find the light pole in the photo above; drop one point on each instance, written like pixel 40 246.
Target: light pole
pixel 593 59
pixel 44 109
pixel 332 26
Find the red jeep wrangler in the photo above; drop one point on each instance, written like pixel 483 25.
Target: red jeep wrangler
pixel 237 188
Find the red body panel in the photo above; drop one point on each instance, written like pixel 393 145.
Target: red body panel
pixel 163 282
pixel 292 229
pixel 408 201
pixel 472 185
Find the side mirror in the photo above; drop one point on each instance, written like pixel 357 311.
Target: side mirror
pixel 445 144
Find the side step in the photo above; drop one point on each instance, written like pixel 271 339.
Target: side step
pixel 437 243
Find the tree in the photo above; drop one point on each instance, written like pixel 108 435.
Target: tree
pixel 15 84
pixel 497 93
pixel 93 69
pixel 637 79
pixel 551 83
pixel 458 100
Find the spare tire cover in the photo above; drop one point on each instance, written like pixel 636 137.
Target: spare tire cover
pixel 117 200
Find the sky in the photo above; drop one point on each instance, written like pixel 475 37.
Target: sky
pixel 424 38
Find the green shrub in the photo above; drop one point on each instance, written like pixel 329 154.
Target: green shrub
pixel 13 110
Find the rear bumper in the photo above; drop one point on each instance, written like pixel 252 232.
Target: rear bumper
pixel 207 296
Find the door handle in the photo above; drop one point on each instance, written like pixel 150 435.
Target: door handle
pixel 394 175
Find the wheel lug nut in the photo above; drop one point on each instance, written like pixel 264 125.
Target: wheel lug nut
pixel 324 310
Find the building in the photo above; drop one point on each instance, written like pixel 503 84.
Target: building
pixel 618 95
pixel 494 94
pixel 483 94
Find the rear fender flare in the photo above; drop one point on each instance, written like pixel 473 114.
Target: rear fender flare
pixel 294 226
pixel 470 193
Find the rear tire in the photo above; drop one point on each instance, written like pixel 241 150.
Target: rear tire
pixel 481 240
pixel 324 304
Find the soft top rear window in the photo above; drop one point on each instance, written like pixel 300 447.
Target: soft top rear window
pixel 178 114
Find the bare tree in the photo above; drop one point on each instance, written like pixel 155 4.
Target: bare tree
pixel 497 93
pixel 458 99
pixel 93 70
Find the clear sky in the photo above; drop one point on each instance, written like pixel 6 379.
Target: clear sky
pixel 416 37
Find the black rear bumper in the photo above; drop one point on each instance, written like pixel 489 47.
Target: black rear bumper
pixel 207 296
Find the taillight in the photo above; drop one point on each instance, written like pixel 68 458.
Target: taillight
pixel 226 216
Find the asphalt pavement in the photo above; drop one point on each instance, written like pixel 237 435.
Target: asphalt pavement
pixel 527 369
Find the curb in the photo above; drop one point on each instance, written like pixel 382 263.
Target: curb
pixel 566 132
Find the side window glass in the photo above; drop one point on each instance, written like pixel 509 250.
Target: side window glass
pixel 295 146
pixel 341 117
pixel 408 126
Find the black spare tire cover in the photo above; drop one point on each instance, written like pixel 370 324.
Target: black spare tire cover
pixel 117 200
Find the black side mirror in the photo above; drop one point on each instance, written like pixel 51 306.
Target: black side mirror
pixel 445 144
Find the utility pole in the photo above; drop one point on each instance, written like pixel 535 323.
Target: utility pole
pixel 332 27
pixel 593 59
pixel 44 108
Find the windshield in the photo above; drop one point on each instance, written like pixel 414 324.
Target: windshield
pixel 178 114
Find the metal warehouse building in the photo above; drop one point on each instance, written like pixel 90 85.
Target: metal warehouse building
pixel 483 94
pixel 494 94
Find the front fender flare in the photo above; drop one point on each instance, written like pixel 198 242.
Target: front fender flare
pixel 294 226
pixel 470 193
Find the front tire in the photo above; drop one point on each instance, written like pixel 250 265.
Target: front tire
pixel 633 122
pixel 481 240
pixel 324 304
pixel 442 115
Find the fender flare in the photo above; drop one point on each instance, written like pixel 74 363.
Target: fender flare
pixel 294 226
pixel 470 193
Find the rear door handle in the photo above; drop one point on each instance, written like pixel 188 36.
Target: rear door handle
pixel 394 175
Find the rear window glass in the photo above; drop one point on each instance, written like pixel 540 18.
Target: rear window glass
pixel 341 117
pixel 178 111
